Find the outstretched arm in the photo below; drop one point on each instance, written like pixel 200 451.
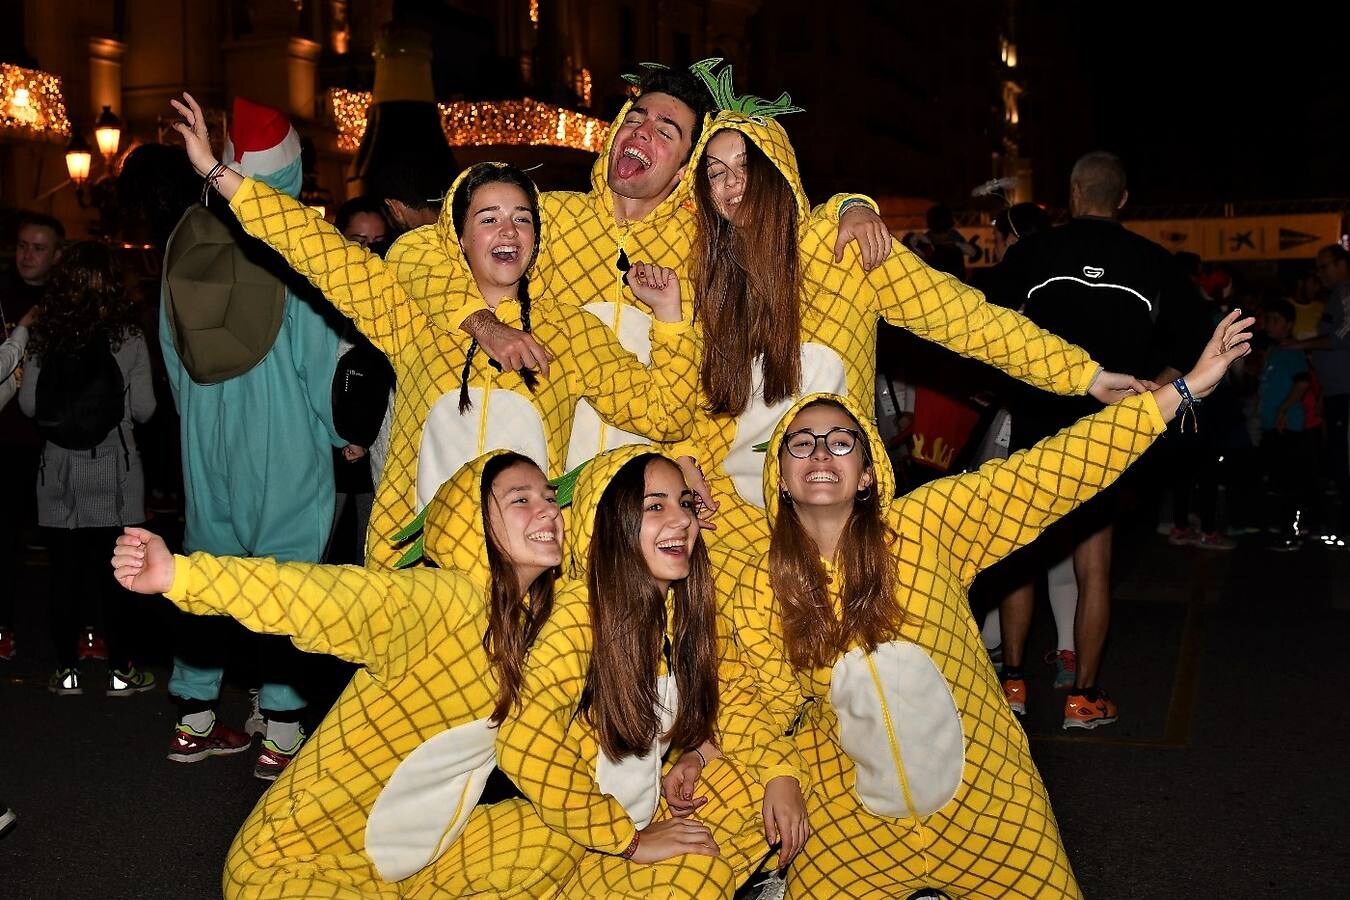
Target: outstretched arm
pixel 352 278
pixel 378 619
pixel 978 518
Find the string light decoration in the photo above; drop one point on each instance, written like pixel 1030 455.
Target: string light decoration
pixel 534 13
pixel 31 101
pixel 483 123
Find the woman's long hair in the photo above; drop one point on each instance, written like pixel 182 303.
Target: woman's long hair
pixel 870 613
pixel 628 622
pixel 478 176
pixel 86 300
pixel 512 623
pixel 748 285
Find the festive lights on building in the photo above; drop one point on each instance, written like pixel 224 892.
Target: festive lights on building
pixel 583 87
pixel 31 100
pixel 484 123
pixel 534 13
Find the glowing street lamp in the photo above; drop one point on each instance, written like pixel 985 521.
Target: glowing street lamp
pixel 78 159
pixel 108 132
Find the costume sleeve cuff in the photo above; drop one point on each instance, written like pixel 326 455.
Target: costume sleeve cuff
pixel 779 771
pixel 627 839
pixel 182 578
pixel 1087 375
pixel 670 329
pixel 248 190
pixel 1155 417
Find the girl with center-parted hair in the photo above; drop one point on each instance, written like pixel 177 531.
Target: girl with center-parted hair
pixel 451 401
pixel 781 317
pixel 381 801
pixel 630 668
pixel 855 616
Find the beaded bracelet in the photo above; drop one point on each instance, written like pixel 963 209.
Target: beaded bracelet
pixel 1188 404
pixel 209 182
pixel 632 848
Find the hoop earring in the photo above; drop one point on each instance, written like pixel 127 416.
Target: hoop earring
pixel 786 497
pixel 864 495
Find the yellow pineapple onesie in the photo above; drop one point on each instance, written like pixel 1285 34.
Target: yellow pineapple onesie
pixel 921 776
pixel 841 305
pixel 553 755
pixel 380 801
pixel 430 438
pixel 578 267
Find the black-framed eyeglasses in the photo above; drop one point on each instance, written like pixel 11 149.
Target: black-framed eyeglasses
pixel 838 441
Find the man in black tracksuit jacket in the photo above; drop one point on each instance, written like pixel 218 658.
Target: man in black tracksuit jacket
pixel 1123 299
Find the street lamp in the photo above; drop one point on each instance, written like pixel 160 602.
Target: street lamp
pixel 108 132
pixel 78 159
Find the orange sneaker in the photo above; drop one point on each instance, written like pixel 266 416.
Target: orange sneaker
pixel 1015 689
pixel 1088 709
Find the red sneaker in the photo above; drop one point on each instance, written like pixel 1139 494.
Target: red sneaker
pixel 272 760
pixel 1015 689
pixel 188 747
pixel 91 646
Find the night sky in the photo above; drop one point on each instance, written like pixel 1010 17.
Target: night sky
pixel 1213 105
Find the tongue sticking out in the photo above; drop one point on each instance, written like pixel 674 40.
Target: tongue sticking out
pixel 627 167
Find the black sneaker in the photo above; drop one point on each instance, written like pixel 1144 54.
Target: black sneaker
pixel 65 682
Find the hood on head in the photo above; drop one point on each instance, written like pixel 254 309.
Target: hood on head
pixel 770 137
pixel 454 533
pixel 682 193
pixel 431 255
pixel 263 145
pixel 590 486
pixel 881 463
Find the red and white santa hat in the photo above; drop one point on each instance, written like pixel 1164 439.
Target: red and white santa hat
pixel 261 139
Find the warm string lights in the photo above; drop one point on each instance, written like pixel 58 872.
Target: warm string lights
pixel 31 101
pixel 476 124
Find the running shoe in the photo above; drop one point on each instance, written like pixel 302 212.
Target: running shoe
pixel 1066 667
pixel 1088 709
pixel 1015 689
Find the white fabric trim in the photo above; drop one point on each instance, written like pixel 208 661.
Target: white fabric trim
pixel 635 781
pixel 928 745
pixel 822 371
pixel 590 435
pixel 449 439
pixel 429 798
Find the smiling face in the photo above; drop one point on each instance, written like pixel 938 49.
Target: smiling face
pixel 651 147
pixel 823 480
pixel 498 238
pixel 524 519
pixel 724 169
pixel 669 525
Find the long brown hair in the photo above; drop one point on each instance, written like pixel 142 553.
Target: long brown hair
pixel 628 622
pixel 748 285
pixel 86 300
pixel 512 624
pixel 870 613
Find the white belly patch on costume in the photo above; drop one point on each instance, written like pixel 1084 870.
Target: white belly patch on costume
pixel 635 781
pixel 449 439
pixel 590 435
pixel 822 370
pixel 428 799
pixel 898 692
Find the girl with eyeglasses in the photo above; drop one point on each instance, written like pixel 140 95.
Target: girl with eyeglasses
pixel 857 620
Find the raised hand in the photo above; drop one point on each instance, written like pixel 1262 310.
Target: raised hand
pixel 1228 344
pixel 705 505
pixel 658 288
pixel 195 136
pixel 142 562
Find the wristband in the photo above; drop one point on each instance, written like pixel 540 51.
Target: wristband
pixel 1188 404
pixel 703 760
pixel 852 201
pixel 632 848
pixel 209 182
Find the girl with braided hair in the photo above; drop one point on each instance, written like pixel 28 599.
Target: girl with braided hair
pixel 452 403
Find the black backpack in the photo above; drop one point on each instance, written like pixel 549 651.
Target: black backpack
pixel 80 397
